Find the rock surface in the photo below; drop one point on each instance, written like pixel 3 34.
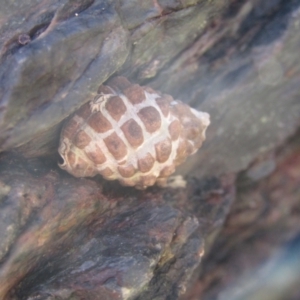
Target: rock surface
pixel 69 238
pixel 257 253
pixel 238 61
pixel 64 238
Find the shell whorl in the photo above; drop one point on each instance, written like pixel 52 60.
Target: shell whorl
pixel 131 133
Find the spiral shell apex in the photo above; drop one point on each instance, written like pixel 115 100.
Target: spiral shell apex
pixel 131 133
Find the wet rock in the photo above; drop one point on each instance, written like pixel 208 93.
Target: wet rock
pixel 244 71
pixel 261 169
pixel 211 56
pixel 238 61
pixel 42 83
pixel 74 46
pixel 64 237
pixel 256 255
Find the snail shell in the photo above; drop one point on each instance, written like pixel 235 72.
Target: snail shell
pixel 131 133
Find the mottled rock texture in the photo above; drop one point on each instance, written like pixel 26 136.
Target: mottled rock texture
pixel 257 253
pixel 65 238
pixel 69 238
pixel 238 60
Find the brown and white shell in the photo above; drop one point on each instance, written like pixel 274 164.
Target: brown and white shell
pixel 131 133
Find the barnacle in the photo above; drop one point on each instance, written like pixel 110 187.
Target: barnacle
pixel 131 133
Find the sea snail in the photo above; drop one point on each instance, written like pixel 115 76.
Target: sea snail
pixel 131 133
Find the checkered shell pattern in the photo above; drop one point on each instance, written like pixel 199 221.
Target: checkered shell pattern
pixel 131 133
